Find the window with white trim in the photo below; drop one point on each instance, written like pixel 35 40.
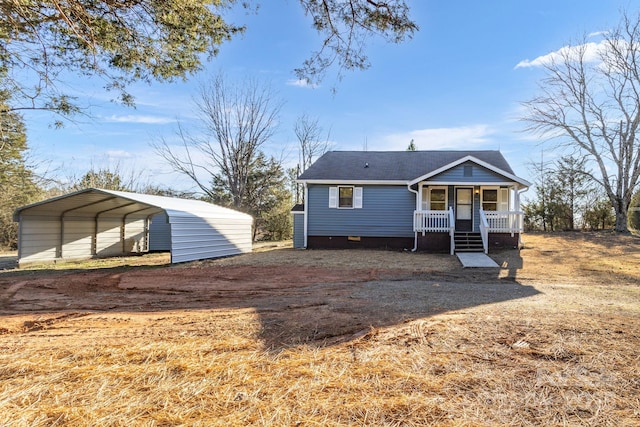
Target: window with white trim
pixel 490 199
pixel 495 199
pixel 434 198
pixel 345 197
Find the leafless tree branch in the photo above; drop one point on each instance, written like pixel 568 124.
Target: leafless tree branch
pixel 594 107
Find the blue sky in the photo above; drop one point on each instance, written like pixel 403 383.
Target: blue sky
pixel 458 84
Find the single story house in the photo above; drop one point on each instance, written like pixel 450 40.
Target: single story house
pixel 419 200
pixel 101 223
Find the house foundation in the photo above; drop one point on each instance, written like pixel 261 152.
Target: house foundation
pixel 350 242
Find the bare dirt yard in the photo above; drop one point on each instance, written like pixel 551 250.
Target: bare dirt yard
pixel 307 338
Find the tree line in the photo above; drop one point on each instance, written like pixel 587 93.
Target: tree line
pixel 565 197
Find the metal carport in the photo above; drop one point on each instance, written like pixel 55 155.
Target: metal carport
pixel 100 223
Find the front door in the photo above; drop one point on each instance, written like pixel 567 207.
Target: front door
pixel 464 209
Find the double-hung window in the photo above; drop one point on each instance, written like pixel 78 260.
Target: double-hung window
pixel 434 198
pixel 490 199
pixel 495 199
pixel 345 197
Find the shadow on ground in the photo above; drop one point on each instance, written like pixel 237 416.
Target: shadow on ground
pixel 296 303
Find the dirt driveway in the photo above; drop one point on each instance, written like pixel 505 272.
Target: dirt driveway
pixel 300 296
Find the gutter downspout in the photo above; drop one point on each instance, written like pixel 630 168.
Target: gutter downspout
pixel 306 212
pixel 415 233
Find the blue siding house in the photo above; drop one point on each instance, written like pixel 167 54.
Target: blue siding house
pixel 418 200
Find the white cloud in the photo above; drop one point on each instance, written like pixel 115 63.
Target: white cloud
pixel 458 138
pixel 147 120
pixel 598 34
pixel 118 154
pixel 301 83
pixel 591 53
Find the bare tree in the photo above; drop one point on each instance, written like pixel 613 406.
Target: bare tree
pixel 238 120
pixel 590 102
pixel 312 145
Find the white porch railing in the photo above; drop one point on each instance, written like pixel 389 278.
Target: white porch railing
pixel 432 221
pixel 435 221
pixel 504 221
pixel 490 222
pixel 499 222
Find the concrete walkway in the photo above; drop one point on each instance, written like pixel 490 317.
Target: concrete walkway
pixel 475 259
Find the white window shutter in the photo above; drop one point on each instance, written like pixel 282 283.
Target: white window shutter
pixel 503 199
pixel 333 197
pixel 357 197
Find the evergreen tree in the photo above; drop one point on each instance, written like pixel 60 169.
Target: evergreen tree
pixel 600 214
pixel 17 181
pixel 102 178
pixel 576 184
pixel 267 198
pixel 548 211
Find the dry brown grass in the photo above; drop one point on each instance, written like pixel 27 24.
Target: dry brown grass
pixel 566 355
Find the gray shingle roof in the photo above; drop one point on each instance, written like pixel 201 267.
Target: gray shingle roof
pixel 392 165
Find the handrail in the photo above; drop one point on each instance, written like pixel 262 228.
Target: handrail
pixel 452 230
pixel 484 230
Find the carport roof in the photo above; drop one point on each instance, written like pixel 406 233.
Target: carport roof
pixel 96 201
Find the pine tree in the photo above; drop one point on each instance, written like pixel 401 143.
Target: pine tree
pixel 16 179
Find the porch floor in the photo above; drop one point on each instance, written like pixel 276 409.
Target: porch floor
pixel 475 259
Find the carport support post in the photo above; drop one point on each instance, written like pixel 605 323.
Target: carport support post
pixel 124 225
pixel 122 233
pixel 147 225
pixel 19 239
pixel 61 237
pixel 94 238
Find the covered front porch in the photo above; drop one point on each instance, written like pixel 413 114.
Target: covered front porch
pixel 468 217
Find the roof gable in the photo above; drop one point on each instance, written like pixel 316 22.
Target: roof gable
pixel 509 175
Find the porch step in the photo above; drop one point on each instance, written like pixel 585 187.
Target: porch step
pixel 468 242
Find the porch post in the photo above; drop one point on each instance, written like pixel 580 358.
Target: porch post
pixel 415 232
